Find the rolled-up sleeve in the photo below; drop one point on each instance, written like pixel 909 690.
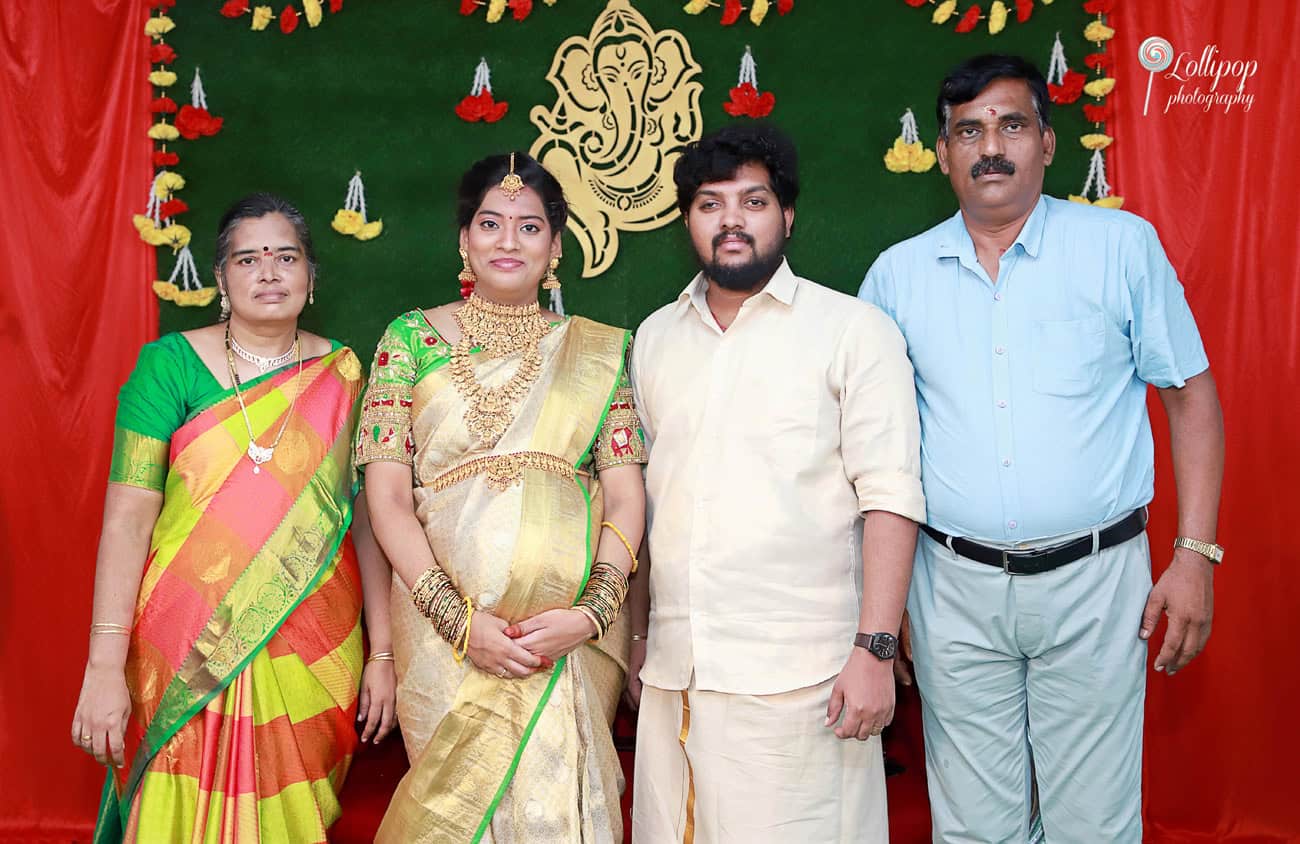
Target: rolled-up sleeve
pixel 1167 348
pixel 879 426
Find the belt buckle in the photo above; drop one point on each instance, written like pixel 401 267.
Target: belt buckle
pixel 1006 565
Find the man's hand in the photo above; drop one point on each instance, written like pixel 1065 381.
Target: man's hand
pixel 864 695
pixel 636 659
pixel 1185 592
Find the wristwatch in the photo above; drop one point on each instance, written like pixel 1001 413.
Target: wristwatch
pixel 1208 550
pixel 882 646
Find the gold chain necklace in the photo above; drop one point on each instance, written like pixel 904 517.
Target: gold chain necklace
pixel 256 453
pixel 498 330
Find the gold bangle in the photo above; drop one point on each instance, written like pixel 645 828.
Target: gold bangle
pixel 595 621
pixel 382 656
pixel 98 627
pixel 469 618
pixel 628 545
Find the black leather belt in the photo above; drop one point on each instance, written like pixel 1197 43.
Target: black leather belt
pixel 1039 560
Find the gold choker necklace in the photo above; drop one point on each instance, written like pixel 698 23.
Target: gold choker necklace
pixel 498 330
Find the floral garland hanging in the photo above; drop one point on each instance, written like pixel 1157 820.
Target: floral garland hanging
pixel 312 10
pixel 998 16
pixel 733 9
pixel 351 219
pixel 745 99
pixel 908 154
pixel 1098 112
pixel 496 9
pixel 157 226
pixel 478 104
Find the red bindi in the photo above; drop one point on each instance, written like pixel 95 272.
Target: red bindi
pixel 993 112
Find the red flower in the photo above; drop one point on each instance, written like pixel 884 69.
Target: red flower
pixel 161 54
pixel 163 105
pixel 969 20
pixel 382 360
pixel 1070 89
pixel 1098 113
pixel 1103 61
pixel 784 7
pixel 521 8
pixel 165 159
pixel 172 207
pixel 1024 8
pixel 234 8
pixel 472 109
pixel 731 10
pixel 336 6
pixel 746 101
pixel 468 7
pixel 915 4
pixel 1099 7
pixel 192 122
pixel 288 20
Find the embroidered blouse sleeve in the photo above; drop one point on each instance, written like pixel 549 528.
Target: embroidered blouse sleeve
pixel 620 440
pixel 384 432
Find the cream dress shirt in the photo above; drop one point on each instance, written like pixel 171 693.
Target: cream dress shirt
pixel 766 444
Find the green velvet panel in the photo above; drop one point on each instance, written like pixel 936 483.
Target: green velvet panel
pixel 373 89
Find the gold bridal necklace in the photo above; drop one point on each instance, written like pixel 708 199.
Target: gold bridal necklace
pixel 498 330
pixel 256 453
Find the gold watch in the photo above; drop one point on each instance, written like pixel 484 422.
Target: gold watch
pixel 1208 550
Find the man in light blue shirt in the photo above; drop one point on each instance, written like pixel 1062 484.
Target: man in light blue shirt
pixel 1034 327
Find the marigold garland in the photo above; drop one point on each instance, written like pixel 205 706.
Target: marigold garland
pixel 734 10
pixel 313 12
pixel 496 9
pixel 1098 112
pixel 999 13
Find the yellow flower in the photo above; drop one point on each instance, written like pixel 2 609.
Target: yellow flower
pixel 165 290
pixel 496 8
pixel 1098 32
pixel 167 183
pixel 162 78
pixel 758 11
pixel 908 158
pixel 943 11
pixel 1096 141
pixel 142 223
pixel 1105 202
pixel 370 230
pixel 1099 87
pixel 262 16
pixel 175 236
pixel 997 17
pixel 347 222
pixel 155 27
pixel 312 8
pixel 153 235
pixel 195 298
pixel 696 6
pixel 163 132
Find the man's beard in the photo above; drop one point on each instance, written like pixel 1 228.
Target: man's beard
pixel 744 276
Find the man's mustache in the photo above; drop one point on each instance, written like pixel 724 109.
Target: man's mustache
pixel 721 236
pixel 992 164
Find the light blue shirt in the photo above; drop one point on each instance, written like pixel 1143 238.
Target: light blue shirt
pixel 1032 391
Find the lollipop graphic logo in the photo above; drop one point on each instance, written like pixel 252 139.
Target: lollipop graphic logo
pixel 1154 55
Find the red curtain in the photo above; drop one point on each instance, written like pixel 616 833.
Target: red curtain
pixel 75 307
pixel 1221 736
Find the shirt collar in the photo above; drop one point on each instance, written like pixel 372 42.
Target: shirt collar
pixel 781 287
pixel 955 240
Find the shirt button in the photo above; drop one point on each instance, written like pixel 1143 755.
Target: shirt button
pixel 1012 524
pixel 997 297
pixel 1002 402
pixel 1006 461
pixel 999 350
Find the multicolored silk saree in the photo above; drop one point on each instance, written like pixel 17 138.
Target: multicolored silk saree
pixel 245 655
pixel 515 527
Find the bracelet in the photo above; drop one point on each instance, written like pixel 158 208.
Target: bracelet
pixel 382 656
pixel 109 627
pixel 637 637
pixel 628 545
pixel 469 617
pixel 603 597
pixel 595 622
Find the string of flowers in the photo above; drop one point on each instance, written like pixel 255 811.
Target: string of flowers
pixel 1099 112
pixel 312 11
pixel 966 21
pixel 732 10
pixel 496 9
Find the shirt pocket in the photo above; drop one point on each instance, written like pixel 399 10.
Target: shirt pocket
pixel 782 417
pixel 1067 355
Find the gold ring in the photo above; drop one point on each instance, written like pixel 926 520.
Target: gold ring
pixel 85 739
pixel 503 673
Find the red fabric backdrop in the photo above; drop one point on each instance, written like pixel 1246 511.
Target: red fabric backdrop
pixel 74 310
pixel 1222 741
pixel 75 307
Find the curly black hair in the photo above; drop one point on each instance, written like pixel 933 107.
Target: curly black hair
pixel 487 173
pixel 717 156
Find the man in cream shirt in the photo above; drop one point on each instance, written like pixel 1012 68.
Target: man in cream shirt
pixel 781 419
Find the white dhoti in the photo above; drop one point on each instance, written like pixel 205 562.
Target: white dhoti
pixel 752 769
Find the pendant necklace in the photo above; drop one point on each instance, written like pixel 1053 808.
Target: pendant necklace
pixel 256 453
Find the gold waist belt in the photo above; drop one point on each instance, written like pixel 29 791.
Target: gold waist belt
pixel 504 470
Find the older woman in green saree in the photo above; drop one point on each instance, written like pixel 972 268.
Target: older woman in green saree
pixel 502 458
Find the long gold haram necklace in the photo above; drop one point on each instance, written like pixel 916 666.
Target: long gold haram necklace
pixel 498 330
pixel 256 453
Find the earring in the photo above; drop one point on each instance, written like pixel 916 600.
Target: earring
pixel 311 295
pixel 225 307
pixel 466 277
pixel 551 282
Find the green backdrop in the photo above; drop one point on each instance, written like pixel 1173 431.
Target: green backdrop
pixel 373 88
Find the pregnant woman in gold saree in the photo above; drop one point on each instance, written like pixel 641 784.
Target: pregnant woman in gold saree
pixel 501 454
